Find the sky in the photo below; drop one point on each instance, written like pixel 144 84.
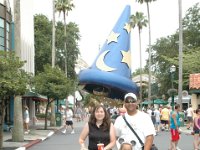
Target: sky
pixel 96 19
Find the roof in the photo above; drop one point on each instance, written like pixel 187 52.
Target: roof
pixel 34 96
pixel 195 81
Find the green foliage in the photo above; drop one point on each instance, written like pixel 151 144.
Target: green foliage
pixel 72 51
pixel 43 35
pixel 165 52
pixel 53 83
pixel 13 79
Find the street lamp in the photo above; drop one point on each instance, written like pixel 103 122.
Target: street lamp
pixel 172 70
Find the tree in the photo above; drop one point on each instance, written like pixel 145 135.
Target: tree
pixel 54 84
pixel 17 134
pixel 72 39
pixel 13 82
pixel 165 51
pixel 43 41
pixel 42 32
pixel 64 6
pixel 148 11
pixel 139 20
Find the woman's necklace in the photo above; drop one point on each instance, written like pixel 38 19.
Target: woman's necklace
pixel 98 124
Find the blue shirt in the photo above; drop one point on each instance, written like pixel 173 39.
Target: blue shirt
pixel 172 124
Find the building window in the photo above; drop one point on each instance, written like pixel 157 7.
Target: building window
pixel 1 23
pixel 2 46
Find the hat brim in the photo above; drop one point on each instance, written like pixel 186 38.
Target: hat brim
pixel 118 85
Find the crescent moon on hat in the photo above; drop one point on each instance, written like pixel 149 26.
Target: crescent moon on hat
pixel 101 64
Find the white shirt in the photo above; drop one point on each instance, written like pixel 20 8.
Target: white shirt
pixel 189 112
pixel 157 114
pixel 140 122
pixel 69 115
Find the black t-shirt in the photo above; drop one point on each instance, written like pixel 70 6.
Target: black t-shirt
pixel 96 136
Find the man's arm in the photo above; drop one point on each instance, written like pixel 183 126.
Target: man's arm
pixel 148 142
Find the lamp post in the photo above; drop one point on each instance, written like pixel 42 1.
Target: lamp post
pixel 172 70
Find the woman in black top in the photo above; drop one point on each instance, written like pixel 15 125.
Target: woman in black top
pixel 99 129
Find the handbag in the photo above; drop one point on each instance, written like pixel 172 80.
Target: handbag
pixel 153 147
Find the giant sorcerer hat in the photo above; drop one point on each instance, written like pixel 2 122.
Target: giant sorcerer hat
pixel 110 73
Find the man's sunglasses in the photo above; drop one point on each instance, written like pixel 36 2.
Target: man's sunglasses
pixel 130 100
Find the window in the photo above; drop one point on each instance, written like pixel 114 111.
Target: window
pixel 1 32
pixel 1 23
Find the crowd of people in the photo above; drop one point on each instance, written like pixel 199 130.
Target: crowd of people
pixel 134 129
pixel 130 128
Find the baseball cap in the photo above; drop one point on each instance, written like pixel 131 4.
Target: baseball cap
pixel 132 95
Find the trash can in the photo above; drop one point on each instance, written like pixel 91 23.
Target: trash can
pixel 58 119
pixel 181 119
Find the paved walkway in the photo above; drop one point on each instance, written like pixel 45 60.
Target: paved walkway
pixel 38 134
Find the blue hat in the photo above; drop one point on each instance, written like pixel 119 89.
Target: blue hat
pixel 111 71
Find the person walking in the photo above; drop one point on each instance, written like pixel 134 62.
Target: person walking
pixel 99 129
pixel 26 120
pixel 68 120
pixel 190 116
pixel 157 116
pixel 139 121
pixel 174 127
pixel 196 129
pixel 165 118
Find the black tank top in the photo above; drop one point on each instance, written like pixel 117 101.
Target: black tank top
pixel 96 136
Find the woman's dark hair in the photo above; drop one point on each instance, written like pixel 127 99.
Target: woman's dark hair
pixel 198 110
pixel 106 120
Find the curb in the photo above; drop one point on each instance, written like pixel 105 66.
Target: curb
pixel 26 146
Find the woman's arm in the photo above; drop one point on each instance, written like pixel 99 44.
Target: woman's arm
pixel 112 138
pixel 83 135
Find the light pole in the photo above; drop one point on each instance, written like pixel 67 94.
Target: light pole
pixel 172 70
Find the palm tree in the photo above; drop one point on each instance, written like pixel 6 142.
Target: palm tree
pixel 140 21
pixel 147 2
pixel 52 120
pixel 17 134
pixel 64 6
pixel 180 57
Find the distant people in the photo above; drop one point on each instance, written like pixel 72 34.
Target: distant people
pixel 139 121
pixel 174 127
pixel 122 110
pixel 157 116
pixel 78 114
pixel 99 129
pixel 190 115
pixel 26 120
pixel 165 118
pixel 68 120
pixel 196 130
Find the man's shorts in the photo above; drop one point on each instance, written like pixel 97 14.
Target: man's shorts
pixel 175 135
pixel 164 122
pixel 68 122
pixel 190 119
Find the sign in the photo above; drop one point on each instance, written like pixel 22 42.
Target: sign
pixel 194 81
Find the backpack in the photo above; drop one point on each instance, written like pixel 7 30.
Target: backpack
pixel 152 113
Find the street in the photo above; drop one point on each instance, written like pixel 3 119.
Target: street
pixel 70 141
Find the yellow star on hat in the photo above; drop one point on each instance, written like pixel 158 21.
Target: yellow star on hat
pixel 127 27
pixel 112 37
pixel 126 57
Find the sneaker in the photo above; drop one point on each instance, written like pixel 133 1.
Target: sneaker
pixel 64 131
pixel 177 148
pixel 25 132
pixel 72 132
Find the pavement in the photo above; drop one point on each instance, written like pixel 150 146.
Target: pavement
pixel 38 134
